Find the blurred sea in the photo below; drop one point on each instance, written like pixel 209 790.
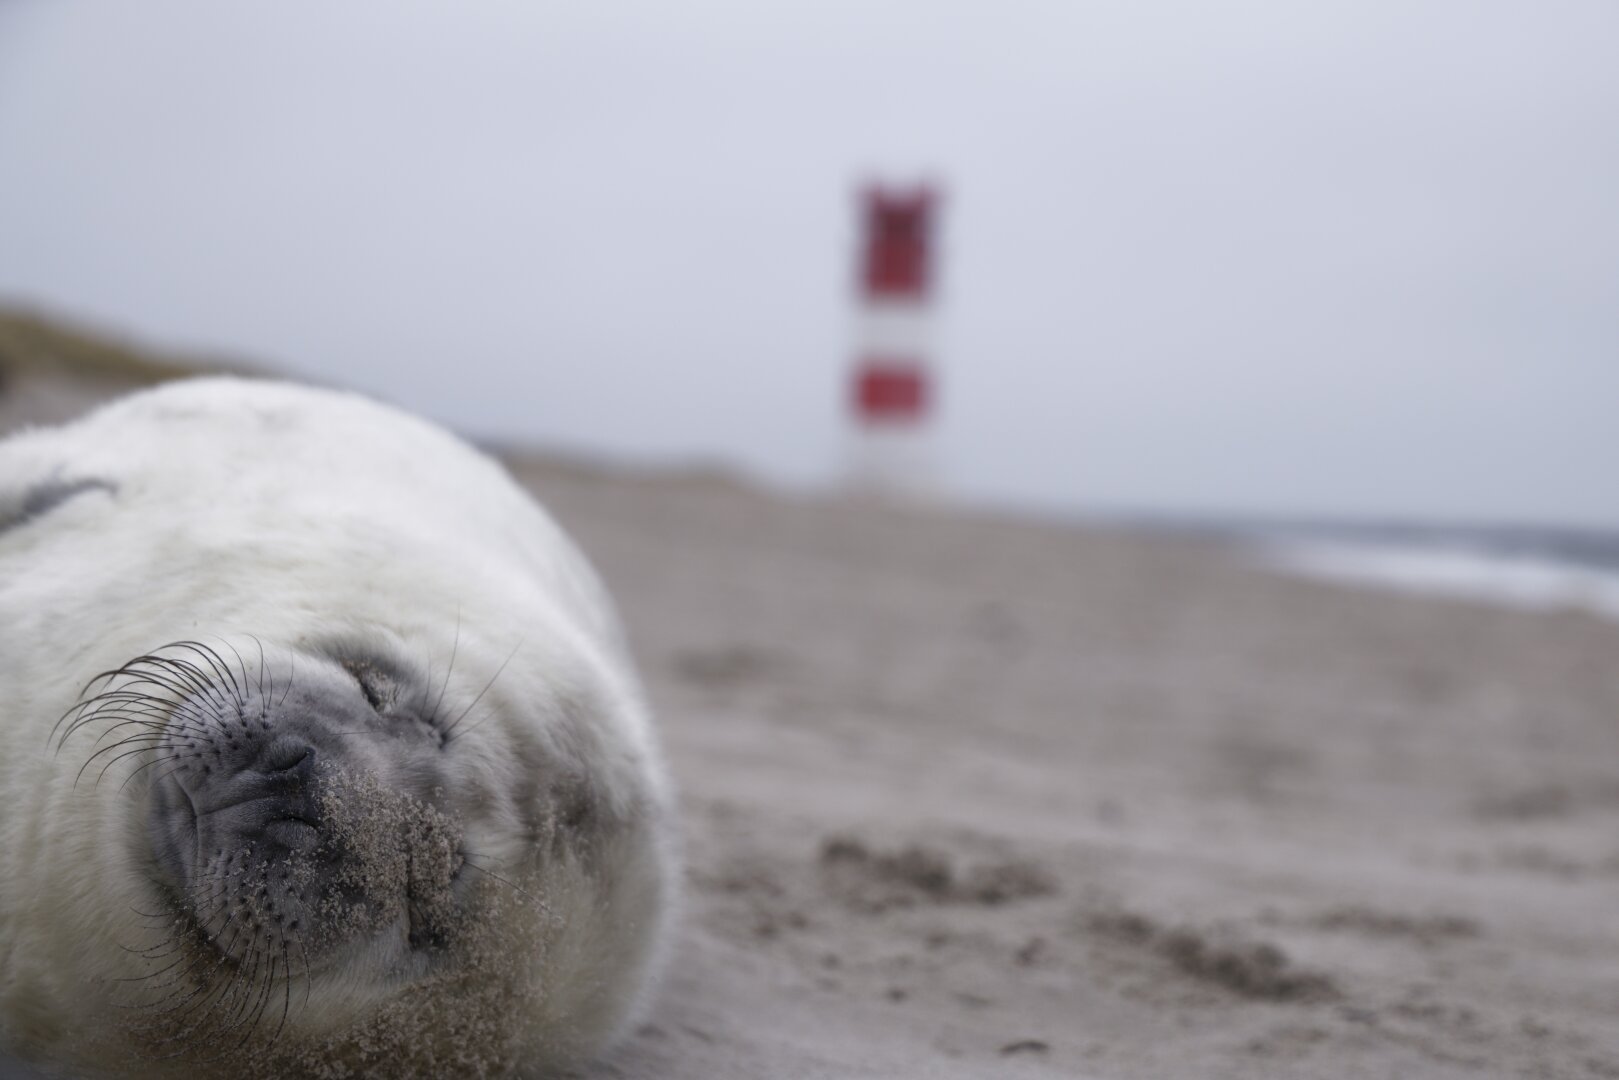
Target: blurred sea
pixel 1527 567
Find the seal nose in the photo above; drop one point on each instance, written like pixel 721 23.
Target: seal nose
pixel 287 754
pixel 278 788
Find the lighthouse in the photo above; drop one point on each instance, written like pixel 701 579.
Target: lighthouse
pixel 892 389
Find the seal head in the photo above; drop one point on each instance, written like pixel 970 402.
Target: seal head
pixel 325 755
pixel 312 807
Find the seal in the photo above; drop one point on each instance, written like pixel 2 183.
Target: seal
pixel 324 753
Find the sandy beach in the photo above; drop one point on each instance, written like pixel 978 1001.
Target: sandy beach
pixel 979 797
pixel 1105 502
pixel 968 796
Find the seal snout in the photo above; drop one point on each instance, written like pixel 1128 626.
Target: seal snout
pixel 274 796
pixel 287 753
pixel 248 786
pixel 301 813
pixel 240 810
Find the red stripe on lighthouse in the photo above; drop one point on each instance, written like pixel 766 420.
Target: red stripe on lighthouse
pixel 897 233
pixel 890 391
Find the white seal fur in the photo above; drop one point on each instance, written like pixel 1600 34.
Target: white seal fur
pixel 302 541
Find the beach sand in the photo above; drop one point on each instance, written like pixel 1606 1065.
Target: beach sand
pixel 979 797
pixel 967 796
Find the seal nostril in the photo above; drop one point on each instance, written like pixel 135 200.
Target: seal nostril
pixel 285 755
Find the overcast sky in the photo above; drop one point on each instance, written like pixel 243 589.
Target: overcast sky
pixel 1336 257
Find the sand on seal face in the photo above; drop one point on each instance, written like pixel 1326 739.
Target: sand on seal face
pixel 1260 827
pixel 397 860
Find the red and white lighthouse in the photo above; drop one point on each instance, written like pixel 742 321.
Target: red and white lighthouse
pixel 892 389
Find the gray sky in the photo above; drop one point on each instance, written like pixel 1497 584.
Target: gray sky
pixel 1344 256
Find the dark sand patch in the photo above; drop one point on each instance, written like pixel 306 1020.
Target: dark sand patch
pixel 873 881
pixel 1425 929
pixel 1256 970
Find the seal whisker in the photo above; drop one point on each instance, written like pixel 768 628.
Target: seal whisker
pixel 147 733
pixel 536 901
pixel 147 765
pixel 109 703
pixel 291 674
pixel 455 648
pixel 224 988
pixel 260 644
pixel 262 999
pixel 196 1014
pixel 149 741
pixel 115 760
pixel 243 997
pixel 449 732
pixel 286 993
pixel 190 673
pixel 309 973
pixel 170 966
pixel 149 725
pixel 176 1001
pixel 138 702
pixel 154 675
pixel 135 671
pixel 213 660
pixel 242 665
pixel 246 1009
pixel 155 952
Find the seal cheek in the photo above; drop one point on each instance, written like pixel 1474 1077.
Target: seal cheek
pixel 172 828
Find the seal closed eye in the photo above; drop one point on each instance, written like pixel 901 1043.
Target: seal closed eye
pixel 344 727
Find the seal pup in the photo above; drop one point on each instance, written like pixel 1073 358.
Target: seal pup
pixel 324 752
